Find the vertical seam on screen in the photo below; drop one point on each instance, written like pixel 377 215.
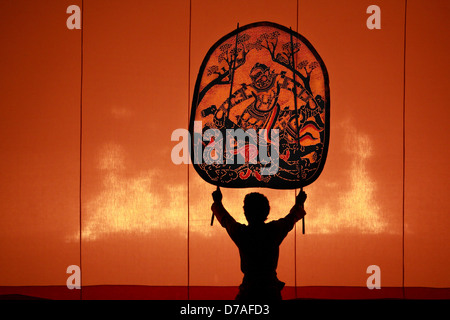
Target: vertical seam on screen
pixel 81 145
pixel 404 152
pixel 188 108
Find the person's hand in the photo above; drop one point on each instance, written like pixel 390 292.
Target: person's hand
pixel 301 198
pixel 217 195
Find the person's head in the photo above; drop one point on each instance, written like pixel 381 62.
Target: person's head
pixel 261 76
pixel 256 207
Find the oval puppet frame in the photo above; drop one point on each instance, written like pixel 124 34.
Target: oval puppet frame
pixel 260 113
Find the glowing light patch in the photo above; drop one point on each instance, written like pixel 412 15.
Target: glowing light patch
pixel 356 208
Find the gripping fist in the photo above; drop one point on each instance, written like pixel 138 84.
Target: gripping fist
pixel 301 198
pixel 217 195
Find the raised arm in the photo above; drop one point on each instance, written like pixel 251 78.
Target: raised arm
pixel 287 83
pixel 222 215
pixel 297 212
pixel 298 209
pixel 225 219
pixel 240 95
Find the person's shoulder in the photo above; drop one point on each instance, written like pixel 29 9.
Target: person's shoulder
pixel 276 224
pixel 272 224
pixel 236 226
pixel 276 221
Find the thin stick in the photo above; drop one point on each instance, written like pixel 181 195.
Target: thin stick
pixel 299 166
pixel 231 75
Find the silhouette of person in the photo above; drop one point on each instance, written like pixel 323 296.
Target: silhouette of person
pixel 258 243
